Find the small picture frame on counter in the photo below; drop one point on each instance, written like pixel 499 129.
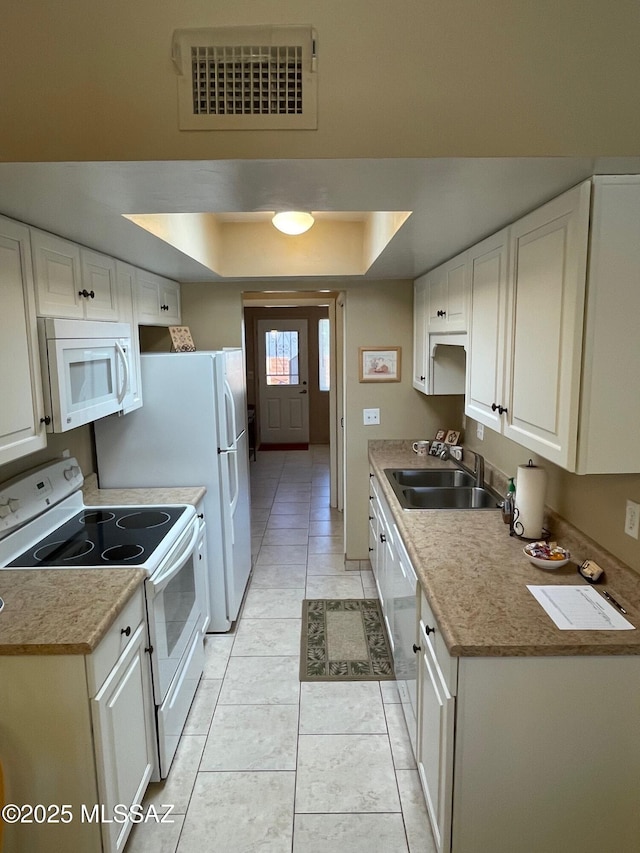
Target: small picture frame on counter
pixel 436 447
pixel 440 435
pixel 452 436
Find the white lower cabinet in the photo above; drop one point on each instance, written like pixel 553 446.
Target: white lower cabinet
pixel 527 753
pixel 79 732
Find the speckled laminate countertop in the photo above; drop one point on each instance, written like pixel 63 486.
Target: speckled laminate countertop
pixel 475 576
pixel 68 611
pixel 94 496
pixel 61 611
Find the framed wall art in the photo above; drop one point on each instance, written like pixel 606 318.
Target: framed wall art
pixel 181 339
pixel 379 364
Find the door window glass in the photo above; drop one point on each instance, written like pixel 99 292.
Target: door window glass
pixel 282 358
pixel 323 354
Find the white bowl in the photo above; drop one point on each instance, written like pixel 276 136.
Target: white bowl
pixel 546 564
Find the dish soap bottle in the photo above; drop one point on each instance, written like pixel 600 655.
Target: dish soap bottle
pixel 509 503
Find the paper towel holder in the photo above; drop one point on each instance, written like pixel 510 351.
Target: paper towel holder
pixel 516 527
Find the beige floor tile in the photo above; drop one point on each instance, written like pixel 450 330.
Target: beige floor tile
pixel 286 536
pixel 326 545
pixel 273 603
pixel 258 811
pixel 354 833
pixel 203 706
pixel 261 681
pixel 267 637
pixel 155 837
pixel 334 586
pixel 414 812
pixel 289 520
pixel 252 737
pixel 341 708
pixel 176 789
pixel 345 773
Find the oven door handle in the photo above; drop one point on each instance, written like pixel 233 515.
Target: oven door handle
pixel 157 583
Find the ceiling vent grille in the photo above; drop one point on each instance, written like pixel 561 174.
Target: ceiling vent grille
pixel 246 78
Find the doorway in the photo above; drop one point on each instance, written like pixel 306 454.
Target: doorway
pixel 322 311
pixel 282 369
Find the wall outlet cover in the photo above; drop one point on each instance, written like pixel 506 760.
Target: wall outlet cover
pixel 632 519
pixel 370 416
pixel 480 431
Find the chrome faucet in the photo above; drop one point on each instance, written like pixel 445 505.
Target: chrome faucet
pixel 478 470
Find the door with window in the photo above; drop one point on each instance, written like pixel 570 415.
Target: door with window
pixel 284 388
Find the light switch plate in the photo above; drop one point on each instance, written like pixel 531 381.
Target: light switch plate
pixel 632 519
pixel 370 416
pixel 480 431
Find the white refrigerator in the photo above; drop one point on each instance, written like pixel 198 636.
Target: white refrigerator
pixel 192 431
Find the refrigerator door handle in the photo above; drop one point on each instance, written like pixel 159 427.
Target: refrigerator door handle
pixel 236 490
pixel 230 414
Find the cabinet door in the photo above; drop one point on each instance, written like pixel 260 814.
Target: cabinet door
pixel 420 373
pixel 487 330
pixel 170 303
pixel 100 282
pixel 547 277
pixel 123 714
pixel 448 287
pixel 21 431
pixel 58 276
pixel 157 300
pixel 436 717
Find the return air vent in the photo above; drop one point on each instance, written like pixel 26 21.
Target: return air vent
pixel 246 78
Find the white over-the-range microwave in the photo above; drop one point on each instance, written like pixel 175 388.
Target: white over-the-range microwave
pixel 86 371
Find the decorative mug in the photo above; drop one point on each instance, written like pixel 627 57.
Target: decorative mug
pixel 420 447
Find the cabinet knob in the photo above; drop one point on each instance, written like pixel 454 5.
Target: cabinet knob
pixel 416 649
pixel 429 630
pixel 200 515
pixel 422 378
pixel 46 420
pixel 441 313
pixel 383 538
pixel 126 631
pixel 164 307
pixel 88 294
pixel 371 549
pixel 502 410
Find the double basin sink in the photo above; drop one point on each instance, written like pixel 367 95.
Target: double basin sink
pixel 439 488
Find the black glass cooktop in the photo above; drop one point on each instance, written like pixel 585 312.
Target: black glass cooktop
pixel 102 537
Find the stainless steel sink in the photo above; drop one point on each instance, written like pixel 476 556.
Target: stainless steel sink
pixel 431 478
pixel 456 497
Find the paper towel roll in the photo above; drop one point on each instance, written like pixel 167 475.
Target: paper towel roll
pixel 531 485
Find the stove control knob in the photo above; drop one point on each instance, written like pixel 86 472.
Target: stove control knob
pixel 4 510
pixel 71 472
pixel 14 504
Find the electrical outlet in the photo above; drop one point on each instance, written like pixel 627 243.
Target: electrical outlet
pixel 480 431
pixel 370 416
pixel 632 519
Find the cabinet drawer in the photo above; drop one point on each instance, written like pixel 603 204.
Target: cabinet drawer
pixel 103 659
pixel 431 634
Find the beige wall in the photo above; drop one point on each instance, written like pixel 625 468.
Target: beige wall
pixel 594 503
pixel 79 442
pixel 95 81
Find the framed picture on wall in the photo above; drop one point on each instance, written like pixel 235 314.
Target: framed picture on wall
pixel 379 364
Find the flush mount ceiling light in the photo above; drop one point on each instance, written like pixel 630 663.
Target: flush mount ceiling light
pixel 293 221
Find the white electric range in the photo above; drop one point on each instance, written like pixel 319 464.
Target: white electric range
pixel 44 524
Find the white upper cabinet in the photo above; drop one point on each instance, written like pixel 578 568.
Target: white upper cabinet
pixel 487 329
pixel 610 402
pixel 157 300
pixel 545 315
pixel 420 334
pixel 21 410
pixel 439 325
pixel 527 309
pixel 554 346
pixel 99 286
pixel 448 288
pixel 71 281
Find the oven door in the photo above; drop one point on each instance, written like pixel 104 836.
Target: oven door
pixel 89 379
pixel 174 609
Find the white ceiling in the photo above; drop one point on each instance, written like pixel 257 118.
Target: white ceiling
pixel 455 202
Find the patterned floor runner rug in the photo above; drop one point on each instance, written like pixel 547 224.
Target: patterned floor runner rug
pixel 344 640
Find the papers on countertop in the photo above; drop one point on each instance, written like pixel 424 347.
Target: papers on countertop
pixel 579 608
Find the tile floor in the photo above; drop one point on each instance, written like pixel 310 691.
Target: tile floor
pixel 269 764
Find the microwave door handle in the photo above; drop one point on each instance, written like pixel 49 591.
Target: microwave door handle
pixel 163 579
pixel 125 381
